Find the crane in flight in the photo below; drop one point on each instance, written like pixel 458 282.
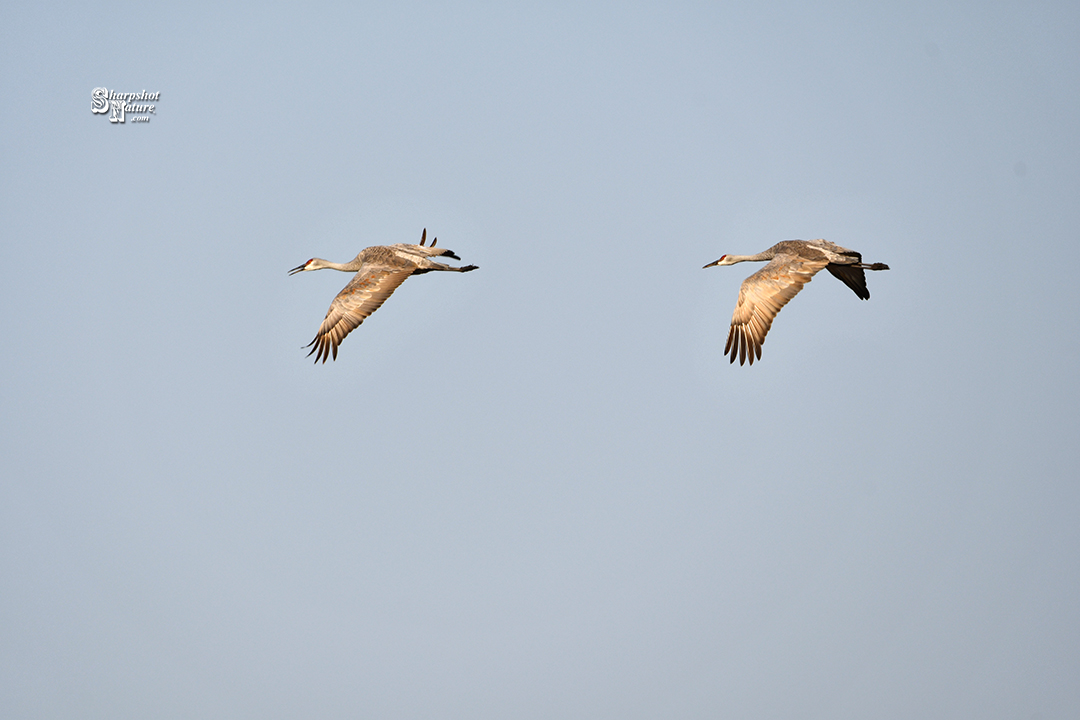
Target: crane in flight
pixel 792 264
pixel 379 270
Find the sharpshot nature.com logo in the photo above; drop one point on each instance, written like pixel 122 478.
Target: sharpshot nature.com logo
pixel 120 105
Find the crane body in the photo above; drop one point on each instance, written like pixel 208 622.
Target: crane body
pixel 791 264
pixel 379 269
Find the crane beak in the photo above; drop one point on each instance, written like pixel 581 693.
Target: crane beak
pixel 297 269
pixel 716 262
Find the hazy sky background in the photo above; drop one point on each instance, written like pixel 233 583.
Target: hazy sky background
pixel 539 490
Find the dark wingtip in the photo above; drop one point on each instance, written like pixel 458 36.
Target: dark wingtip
pixel 319 350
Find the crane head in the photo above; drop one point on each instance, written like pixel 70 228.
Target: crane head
pixel 301 268
pixel 722 261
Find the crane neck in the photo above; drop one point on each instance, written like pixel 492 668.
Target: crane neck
pixel 321 264
pixel 760 257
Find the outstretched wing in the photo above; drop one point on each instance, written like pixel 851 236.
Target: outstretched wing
pixel 368 290
pixel 852 276
pixel 760 299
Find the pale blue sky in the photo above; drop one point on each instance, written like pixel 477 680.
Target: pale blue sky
pixel 539 490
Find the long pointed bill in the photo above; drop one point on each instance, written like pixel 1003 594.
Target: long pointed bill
pixel 716 262
pixel 297 269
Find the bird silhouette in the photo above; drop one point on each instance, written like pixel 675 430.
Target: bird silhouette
pixel 379 270
pixel 792 264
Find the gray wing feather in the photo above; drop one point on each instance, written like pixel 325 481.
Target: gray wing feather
pixel 761 297
pixel 364 294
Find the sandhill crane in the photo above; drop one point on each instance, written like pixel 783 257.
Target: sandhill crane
pixel 792 264
pixel 379 270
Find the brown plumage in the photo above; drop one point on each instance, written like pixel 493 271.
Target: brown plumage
pixel 379 270
pixel 792 264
